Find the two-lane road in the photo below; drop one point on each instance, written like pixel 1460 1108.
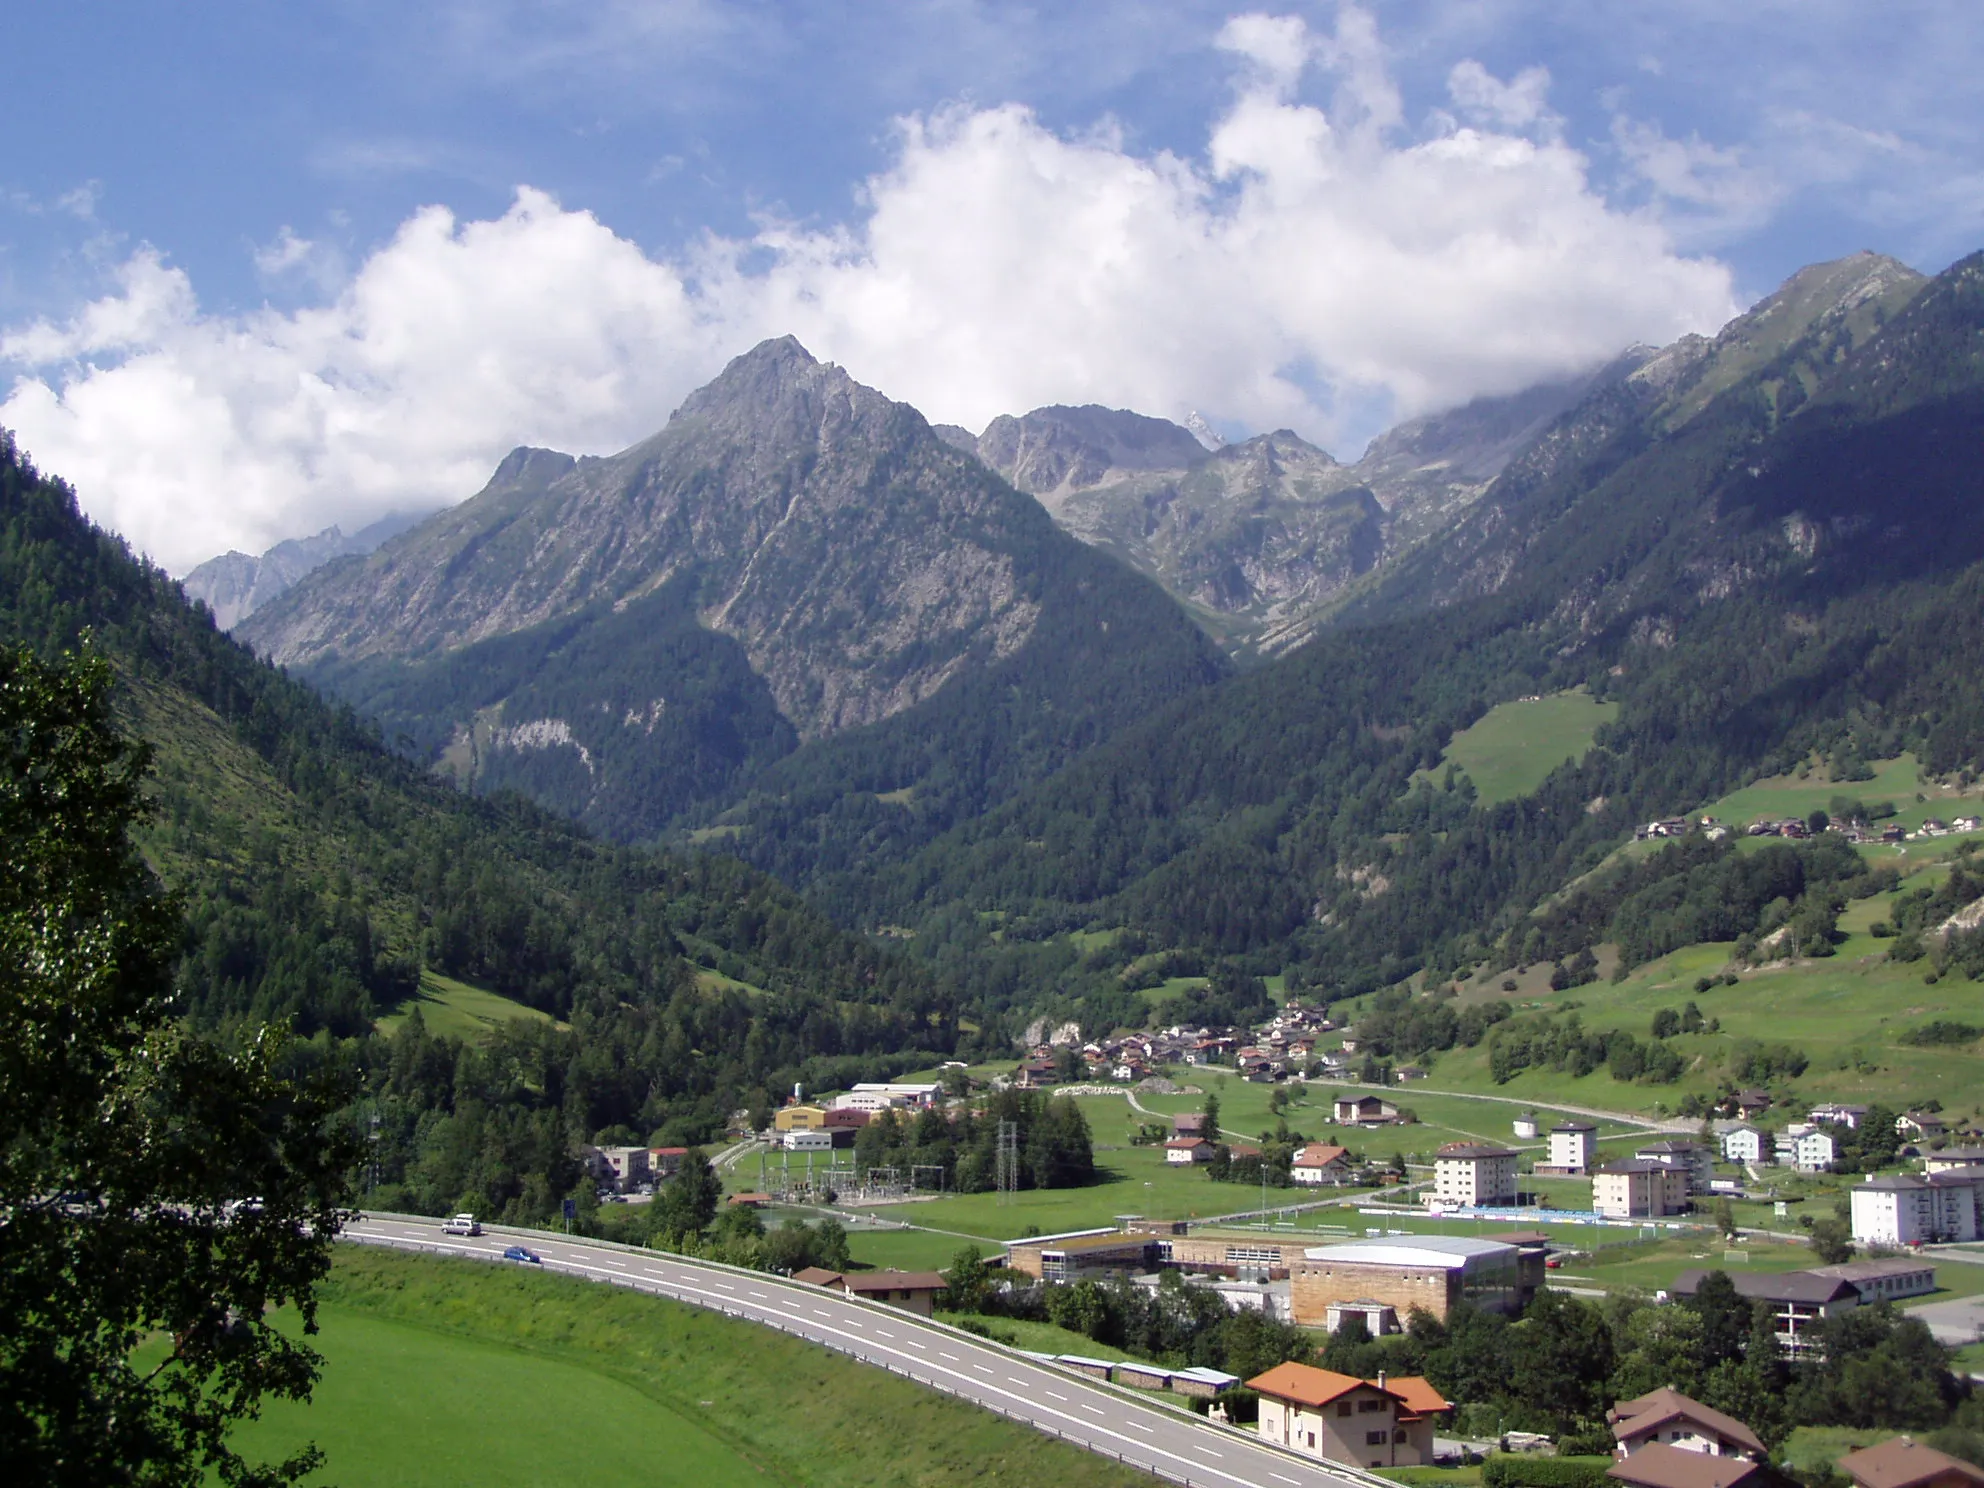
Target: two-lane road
pixel 1152 1438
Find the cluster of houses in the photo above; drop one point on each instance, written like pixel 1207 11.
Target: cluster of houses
pixel 1284 1045
pixel 1812 1145
pixel 821 1126
pixel 1798 828
pixel 1662 1439
pixel 1801 1301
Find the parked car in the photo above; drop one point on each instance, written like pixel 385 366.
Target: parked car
pixel 462 1224
pixel 528 1257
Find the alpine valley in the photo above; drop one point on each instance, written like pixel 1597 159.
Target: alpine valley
pixel 807 731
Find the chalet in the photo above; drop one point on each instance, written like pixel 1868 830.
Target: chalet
pixel 1837 1115
pixel 1363 1110
pixel 1668 1417
pixel 1184 1151
pixel 1319 1163
pixel 1191 1124
pixel 1921 1125
pixel 1901 1462
pixel 1750 1104
pixel 1659 1465
pixel 1340 1418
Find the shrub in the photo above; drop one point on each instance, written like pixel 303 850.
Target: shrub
pixel 1505 1471
pixel 1942 1033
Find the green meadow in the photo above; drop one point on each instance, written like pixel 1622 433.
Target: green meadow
pixel 446 1372
pixel 1512 748
pixel 457 1010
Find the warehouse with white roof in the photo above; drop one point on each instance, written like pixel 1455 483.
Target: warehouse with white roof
pixel 1431 1272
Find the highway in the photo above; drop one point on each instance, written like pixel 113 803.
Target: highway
pixel 1090 1414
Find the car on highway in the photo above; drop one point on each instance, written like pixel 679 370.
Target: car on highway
pixel 528 1257
pixel 462 1224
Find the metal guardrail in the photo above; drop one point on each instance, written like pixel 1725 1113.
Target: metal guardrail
pixel 1339 1470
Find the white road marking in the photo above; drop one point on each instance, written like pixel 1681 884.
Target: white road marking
pixel 880 1334
pixel 1052 1396
pixel 1208 1451
pixel 914 1344
pixel 942 1355
pixel 1139 1425
pixel 981 1369
pixel 724 1286
pixel 759 1295
pixel 1094 1433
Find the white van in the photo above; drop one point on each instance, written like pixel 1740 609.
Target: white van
pixel 462 1224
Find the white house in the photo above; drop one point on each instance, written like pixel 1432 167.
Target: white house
pixel 1807 1148
pixel 1184 1151
pixel 1473 1175
pixel 1838 1115
pixel 1685 1156
pixel 1902 1209
pixel 1320 1163
pixel 1746 1144
pixel 1573 1146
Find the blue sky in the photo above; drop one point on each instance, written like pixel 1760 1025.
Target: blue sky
pixel 264 265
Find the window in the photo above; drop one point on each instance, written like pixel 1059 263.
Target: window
pixel 1344 1407
pixel 1399 1434
pixel 1376 1438
pixel 1370 1405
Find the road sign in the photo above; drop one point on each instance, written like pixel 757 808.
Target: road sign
pixel 571 1208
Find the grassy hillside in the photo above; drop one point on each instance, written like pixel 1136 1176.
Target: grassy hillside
pixel 1512 748
pixel 732 1395
pixel 453 1009
pixel 403 1406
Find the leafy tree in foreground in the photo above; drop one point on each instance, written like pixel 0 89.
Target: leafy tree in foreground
pixel 156 1189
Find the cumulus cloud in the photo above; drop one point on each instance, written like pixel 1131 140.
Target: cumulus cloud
pixel 1310 260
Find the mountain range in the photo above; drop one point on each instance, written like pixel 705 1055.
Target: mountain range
pixel 235 585
pixel 1092 670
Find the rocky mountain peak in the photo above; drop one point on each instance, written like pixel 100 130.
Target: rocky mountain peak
pixel 1055 450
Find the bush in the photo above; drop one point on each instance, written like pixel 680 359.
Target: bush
pixel 1943 1032
pixel 1505 1471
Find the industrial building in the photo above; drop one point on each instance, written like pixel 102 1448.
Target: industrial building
pixel 1432 1272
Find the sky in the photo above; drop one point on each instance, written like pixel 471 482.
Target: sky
pixel 266 265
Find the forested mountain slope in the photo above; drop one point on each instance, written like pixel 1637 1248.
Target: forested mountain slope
pixel 1776 556
pixel 319 872
pixel 794 560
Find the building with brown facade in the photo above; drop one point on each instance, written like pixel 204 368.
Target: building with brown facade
pixel 1432 1272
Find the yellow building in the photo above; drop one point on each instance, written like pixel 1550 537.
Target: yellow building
pixel 799 1118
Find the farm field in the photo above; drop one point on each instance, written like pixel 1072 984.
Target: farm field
pixel 1512 748
pixel 401 1406
pixel 456 1010
pixel 684 1396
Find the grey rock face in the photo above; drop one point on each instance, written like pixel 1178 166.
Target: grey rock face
pixel 1261 536
pixel 235 585
pixel 859 559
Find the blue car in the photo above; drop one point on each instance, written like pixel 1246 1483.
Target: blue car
pixel 518 1253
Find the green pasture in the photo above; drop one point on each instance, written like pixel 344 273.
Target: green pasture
pixel 1845 1012
pixel 464 1373
pixel 402 1406
pixel 1512 748
pixel 457 1010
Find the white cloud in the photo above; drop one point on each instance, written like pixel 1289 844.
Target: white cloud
pixel 1311 260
